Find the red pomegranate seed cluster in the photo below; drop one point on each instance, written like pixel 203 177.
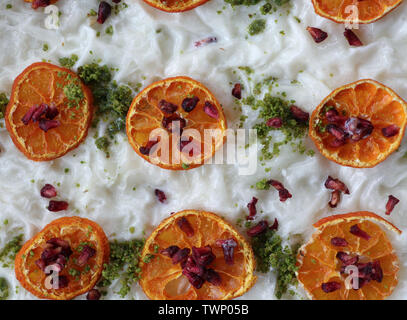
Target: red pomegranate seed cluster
pixel 185 226
pixel 252 209
pixel 283 193
pixel 160 195
pixel 195 266
pixel 237 91
pixel 55 256
pixel 49 191
pixel 355 230
pixel 352 38
pixel 40 3
pixel 299 114
pixel 147 148
pixel 228 247
pixel 105 9
pixel 210 110
pixel 43 114
pixel 391 203
pixel 317 34
pixel 338 187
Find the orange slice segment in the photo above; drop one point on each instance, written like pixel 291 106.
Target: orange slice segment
pixel 44 83
pixel 163 280
pixel 364 100
pixel 175 5
pixel 77 232
pixel 319 265
pixel 169 135
pixel 367 11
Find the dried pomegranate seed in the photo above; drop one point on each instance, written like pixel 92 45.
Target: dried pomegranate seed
pixel 391 203
pixel 170 251
pixel 61 260
pixel 39 112
pixel 284 194
pixel 252 209
pixel 335 199
pixel 52 111
pixel 147 148
pixel 213 277
pixel 237 91
pixel 48 191
pixel 86 253
pixel 210 110
pixel 377 272
pixel 337 132
pixel 317 34
pixel 339 242
pixel 329 287
pixel 56 206
pixel 193 267
pixel 274 122
pixel 56 242
pixel 332 115
pixel 193 278
pixel 205 41
pixel 258 228
pixel 275 225
pixel 181 255
pixel 41 263
pixel 336 184
pixel 40 3
pixel 116 1
pixel 352 38
pixel 390 131
pixel 167 107
pixel 174 123
pixel 49 255
pixel 94 294
pixel 203 256
pixel 299 114
pixel 355 230
pixel 185 226
pixel 358 128
pixel 160 195
pixel 337 143
pixel 29 114
pixel 228 247
pixel 46 125
pixel 189 104
pixel 104 11
pixel 347 259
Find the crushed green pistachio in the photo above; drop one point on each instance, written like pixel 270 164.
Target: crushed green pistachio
pixel 10 250
pixel 270 253
pixel 123 265
pixel 257 26
pixel 112 100
pixel 68 62
pixel 4 289
pixel 3 104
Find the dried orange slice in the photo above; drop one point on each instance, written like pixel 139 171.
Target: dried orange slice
pixel 341 11
pixel 84 248
pixel 175 5
pixel 176 124
pixel 359 124
pixel 163 279
pixel 43 84
pixel 352 240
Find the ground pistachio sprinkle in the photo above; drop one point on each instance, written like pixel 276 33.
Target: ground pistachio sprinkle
pixel 123 265
pixel 271 254
pixel 3 104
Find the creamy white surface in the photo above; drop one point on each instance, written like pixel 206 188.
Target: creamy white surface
pixel 106 185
